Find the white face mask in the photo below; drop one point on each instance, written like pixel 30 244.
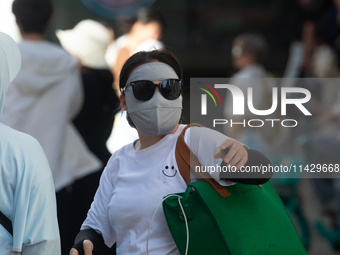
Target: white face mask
pixel 157 116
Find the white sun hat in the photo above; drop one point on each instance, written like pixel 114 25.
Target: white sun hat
pixel 87 41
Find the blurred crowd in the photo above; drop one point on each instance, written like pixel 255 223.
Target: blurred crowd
pixel 67 97
pixel 313 63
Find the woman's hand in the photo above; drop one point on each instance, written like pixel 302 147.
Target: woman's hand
pixel 88 248
pixel 237 155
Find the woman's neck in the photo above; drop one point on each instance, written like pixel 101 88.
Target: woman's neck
pixel 146 140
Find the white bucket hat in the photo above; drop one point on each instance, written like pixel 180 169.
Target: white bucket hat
pixel 87 41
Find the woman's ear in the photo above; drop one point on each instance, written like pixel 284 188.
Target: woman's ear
pixel 123 102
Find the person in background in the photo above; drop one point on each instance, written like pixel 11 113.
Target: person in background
pixel 312 23
pixel 249 52
pixel 87 42
pixel 321 141
pixel 27 196
pixel 248 55
pixel 144 35
pixel 43 100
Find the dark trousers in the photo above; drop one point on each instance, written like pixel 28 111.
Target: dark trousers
pixel 73 203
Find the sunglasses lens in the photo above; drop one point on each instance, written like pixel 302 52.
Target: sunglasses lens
pixel 143 90
pixel 171 88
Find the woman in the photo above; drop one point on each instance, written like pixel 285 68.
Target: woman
pixel 140 174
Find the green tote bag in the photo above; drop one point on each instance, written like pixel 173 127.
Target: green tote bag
pixel 240 220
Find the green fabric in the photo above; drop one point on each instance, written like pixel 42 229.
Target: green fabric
pixel 251 221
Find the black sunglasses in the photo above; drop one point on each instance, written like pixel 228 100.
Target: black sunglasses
pixel 143 90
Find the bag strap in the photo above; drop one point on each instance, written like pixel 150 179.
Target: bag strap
pixel 4 221
pixel 184 156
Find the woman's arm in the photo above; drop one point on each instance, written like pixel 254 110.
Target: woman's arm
pixel 232 152
pixel 88 241
pixel 204 142
pixel 256 161
pixel 96 232
pixel 208 145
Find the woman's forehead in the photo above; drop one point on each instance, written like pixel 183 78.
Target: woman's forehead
pixel 153 71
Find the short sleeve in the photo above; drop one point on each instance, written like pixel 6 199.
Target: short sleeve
pixel 35 225
pixel 203 143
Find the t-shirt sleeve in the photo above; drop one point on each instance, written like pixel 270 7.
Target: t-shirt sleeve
pixel 203 143
pixel 35 225
pixel 98 215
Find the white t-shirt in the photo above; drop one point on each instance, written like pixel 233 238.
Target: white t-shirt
pixel 135 182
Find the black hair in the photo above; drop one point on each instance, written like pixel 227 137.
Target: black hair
pixel 149 15
pixel 253 44
pixel 144 57
pixel 33 15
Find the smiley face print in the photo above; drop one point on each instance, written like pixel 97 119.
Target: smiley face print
pixel 169 171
